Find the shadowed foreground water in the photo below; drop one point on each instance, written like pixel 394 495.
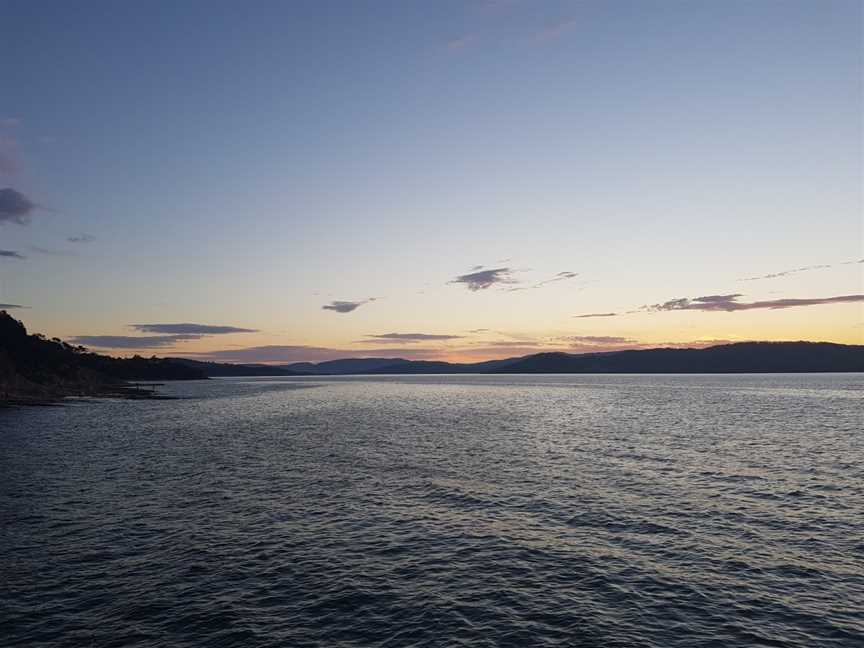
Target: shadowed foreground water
pixel 656 511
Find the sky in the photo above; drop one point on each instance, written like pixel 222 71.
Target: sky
pixel 461 180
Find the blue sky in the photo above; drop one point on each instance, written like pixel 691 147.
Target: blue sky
pixel 246 164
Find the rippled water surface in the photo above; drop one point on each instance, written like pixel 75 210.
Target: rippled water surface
pixel 656 511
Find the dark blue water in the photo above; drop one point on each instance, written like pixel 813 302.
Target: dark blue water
pixel 440 511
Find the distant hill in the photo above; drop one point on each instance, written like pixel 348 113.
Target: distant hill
pixel 345 366
pixel 440 367
pixel 33 367
pixel 348 366
pixel 223 369
pixel 743 357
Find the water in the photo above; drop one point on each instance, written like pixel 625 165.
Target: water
pixel 657 511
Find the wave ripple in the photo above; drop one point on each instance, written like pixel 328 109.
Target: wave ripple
pixel 476 511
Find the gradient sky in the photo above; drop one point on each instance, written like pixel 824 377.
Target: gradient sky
pixel 245 165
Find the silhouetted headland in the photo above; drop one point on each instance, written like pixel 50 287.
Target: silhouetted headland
pixel 35 370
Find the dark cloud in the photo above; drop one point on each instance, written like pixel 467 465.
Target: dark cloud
pixel 484 279
pixel 406 338
pixel 193 329
pixel 15 207
pixel 729 303
pixel 132 342
pixel 346 306
pixel 11 254
pixel 82 238
pixel 596 315
pixel 11 306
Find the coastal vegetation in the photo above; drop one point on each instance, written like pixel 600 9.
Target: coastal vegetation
pixel 35 369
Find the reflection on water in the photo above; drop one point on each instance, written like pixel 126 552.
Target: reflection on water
pixel 440 511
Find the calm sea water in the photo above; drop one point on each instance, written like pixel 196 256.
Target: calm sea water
pixel 657 511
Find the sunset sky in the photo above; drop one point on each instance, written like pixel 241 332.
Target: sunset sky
pixel 284 181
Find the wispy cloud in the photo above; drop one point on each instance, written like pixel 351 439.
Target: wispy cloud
pixel 729 303
pixel 15 207
pixel 131 342
pixel 587 315
pixel 11 254
pixel 484 279
pixel 193 329
pixel 460 43
pixel 561 276
pixel 81 238
pixel 407 338
pixel 9 122
pixel 785 273
pixel 505 344
pixel 171 334
pixel 598 339
pixel 346 306
pixel 10 164
pixel 51 251
pixel 555 30
pixel 11 306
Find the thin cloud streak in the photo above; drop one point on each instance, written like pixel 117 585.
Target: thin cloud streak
pixel 51 251
pixel 729 303
pixel 456 44
pixel 407 338
pixel 555 30
pixel 132 342
pixel 286 354
pixel 187 328
pixel 599 339
pixel 561 276
pixel 785 273
pixel 12 254
pixel 346 306
pixel 82 238
pixel 11 306
pixel 587 315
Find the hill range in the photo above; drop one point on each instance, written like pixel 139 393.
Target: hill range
pixel 741 357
